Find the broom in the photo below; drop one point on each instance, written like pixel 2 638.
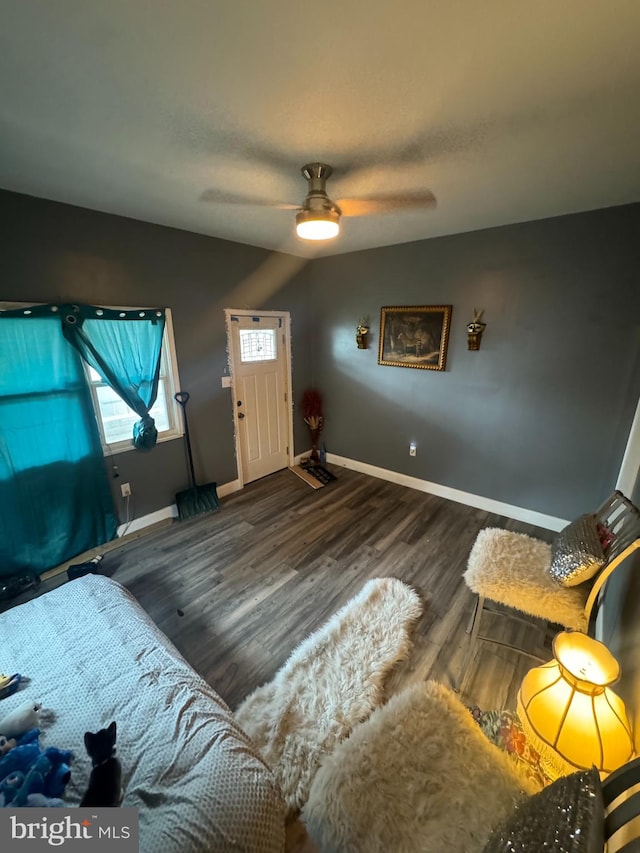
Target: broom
pixel 196 499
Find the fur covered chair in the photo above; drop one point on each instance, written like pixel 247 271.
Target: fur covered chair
pixel 557 582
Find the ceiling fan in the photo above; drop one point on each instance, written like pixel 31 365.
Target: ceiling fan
pixel 318 217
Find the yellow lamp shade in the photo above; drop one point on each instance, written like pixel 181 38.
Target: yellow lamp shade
pixel 568 711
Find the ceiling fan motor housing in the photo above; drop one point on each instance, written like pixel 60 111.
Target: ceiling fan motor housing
pixel 319 217
pixel 317 200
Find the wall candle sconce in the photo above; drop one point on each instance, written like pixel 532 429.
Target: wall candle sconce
pixel 475 329
pixel 362 333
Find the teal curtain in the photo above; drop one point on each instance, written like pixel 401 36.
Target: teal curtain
pixel 124 347
pixel 55 500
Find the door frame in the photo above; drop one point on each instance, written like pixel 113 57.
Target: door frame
pixel 286 329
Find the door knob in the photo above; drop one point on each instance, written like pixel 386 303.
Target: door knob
pixel 240 415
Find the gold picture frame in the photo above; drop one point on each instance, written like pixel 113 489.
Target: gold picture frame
pixel 414 336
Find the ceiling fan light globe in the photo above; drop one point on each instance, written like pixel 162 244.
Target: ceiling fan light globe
pixel 317 225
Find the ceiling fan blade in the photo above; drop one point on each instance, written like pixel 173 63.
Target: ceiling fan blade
pixel 365 206
pixel 224 197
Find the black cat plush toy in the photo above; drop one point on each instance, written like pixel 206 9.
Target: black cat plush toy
pixel 105 782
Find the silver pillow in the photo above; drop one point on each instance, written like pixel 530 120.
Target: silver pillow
pixel 566 817
pixel 576 553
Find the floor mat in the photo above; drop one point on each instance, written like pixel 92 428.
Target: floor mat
pixel 316 476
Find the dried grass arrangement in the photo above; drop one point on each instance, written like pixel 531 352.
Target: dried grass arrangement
pixel 313 417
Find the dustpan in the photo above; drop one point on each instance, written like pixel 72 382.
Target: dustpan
pixel 195 500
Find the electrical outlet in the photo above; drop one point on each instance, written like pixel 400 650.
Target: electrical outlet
pixel 125 488
pixel 412 449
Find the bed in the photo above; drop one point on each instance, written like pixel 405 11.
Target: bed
pixel 92 655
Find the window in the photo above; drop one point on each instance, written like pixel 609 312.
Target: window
pixel 116 419
pixel 257 345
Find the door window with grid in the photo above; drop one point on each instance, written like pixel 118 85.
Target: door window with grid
pixel 258 345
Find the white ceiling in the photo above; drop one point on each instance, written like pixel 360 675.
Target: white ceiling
pixel 506 110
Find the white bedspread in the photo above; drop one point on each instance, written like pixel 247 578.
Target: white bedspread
pixel 93 655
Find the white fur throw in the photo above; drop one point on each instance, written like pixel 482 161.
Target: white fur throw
pixel 513 569
pixel 332 681
pixel 419 775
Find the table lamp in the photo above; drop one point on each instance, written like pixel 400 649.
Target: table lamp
pixel 568 712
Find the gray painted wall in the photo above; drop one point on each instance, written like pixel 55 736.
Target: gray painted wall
pixel 54 252
pixel 539 417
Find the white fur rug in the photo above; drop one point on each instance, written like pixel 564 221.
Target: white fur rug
pixel 513 569
pixel 419 775
pixel 332 681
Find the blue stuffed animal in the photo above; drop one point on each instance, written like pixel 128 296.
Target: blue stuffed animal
pixel 9 785
pixel 33 782
pixel 57 776
pixel 22 756
pixel 12 784
pixel 26 771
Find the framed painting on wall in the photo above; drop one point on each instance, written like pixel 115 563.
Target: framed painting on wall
pixel 414 336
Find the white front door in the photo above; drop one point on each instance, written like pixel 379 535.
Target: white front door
pixel 261 381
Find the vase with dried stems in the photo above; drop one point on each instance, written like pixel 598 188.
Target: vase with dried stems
pixel 313 417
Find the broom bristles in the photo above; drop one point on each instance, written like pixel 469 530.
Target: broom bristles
pixel 198 500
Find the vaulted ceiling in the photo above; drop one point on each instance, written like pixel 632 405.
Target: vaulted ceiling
pixel 199 113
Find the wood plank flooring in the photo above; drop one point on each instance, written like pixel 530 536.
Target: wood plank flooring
pixel 237 590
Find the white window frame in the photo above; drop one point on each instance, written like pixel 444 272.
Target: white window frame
pixel 170 379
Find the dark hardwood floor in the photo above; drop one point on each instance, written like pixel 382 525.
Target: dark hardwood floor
pixel 237 590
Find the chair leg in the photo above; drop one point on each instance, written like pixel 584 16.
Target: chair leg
pixel 473 616
pixel 473 629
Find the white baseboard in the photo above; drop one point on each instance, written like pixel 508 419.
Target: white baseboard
pixel 228 488
pixel 147 520
pixel 171 511
pixel 518 513
pixel 529 516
